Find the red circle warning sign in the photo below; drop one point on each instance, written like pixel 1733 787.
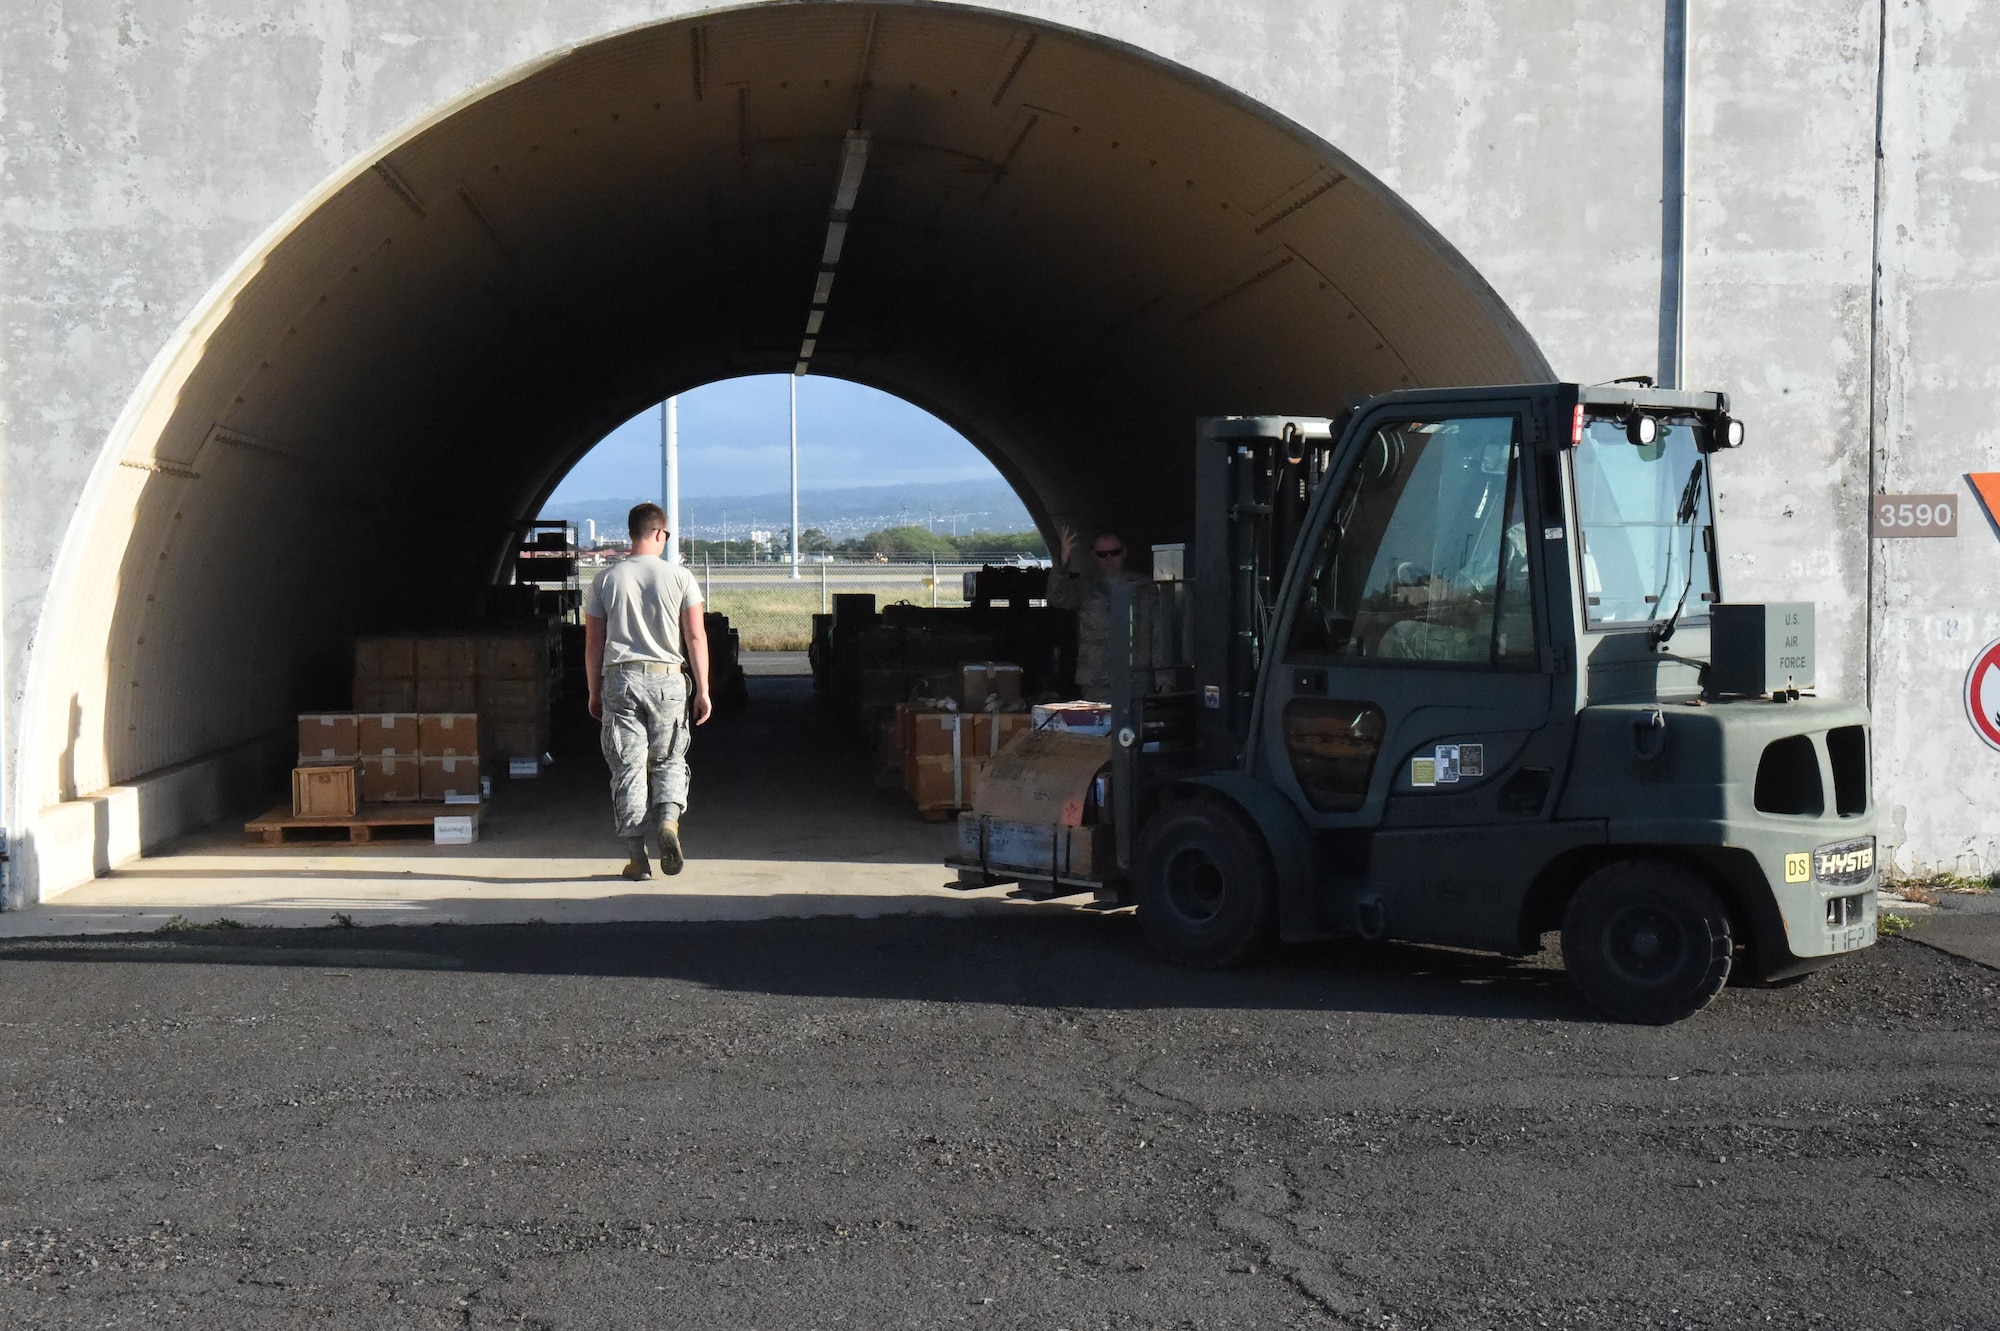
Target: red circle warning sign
pixel 1982 694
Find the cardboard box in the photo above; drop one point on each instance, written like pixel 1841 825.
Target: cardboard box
pixel 328 737
pixel 449 778
pixel 440 659
pixel 446 695
pixel 385 734
pixel 325 791
pixel 448 734
pixel 512 699
pixel 944 752
pixel 968 733
pixel 385 695
pixel 975 770
pixel 455 829
pixel 385 658
pixel 517 739
pixel 513 656
pixel 978 679
pixel 891 743
pixel 388 779
pixel 1037 850
pixel 1081 717
pixel 935 783
pixel 1043 777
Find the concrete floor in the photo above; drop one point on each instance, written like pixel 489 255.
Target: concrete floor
pixel 785 822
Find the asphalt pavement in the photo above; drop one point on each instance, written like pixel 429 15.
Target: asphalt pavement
pixel 1020 1121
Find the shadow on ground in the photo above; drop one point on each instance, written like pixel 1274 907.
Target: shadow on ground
pixel 1081 960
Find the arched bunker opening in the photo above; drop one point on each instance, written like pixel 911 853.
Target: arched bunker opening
pixel 1063 247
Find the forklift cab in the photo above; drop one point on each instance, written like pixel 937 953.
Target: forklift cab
pixel 1460 685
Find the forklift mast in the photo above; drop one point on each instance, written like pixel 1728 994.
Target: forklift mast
pixel 1255 477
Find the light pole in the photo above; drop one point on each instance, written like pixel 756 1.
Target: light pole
pixel 670 474
pixel 793 381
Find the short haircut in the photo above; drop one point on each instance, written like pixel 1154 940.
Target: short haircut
pixel 644 520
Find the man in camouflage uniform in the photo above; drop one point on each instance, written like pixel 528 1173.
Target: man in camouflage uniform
pixel 643 625
pixel 1087 590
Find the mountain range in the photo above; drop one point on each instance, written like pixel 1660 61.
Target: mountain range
pixel 955 507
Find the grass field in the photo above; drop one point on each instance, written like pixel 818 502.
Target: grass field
pixel 774 614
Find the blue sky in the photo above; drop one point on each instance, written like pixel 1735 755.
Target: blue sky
pixel 734 441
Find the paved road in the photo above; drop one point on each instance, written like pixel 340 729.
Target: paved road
pixel 998 1122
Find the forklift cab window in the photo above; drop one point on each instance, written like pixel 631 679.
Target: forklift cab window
pixel 1424 557
pixel 1644 516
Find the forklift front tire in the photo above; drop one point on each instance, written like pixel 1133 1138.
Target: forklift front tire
pixel 1206 890
pixel 1647 941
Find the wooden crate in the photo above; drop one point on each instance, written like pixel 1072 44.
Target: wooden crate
pixel 324 791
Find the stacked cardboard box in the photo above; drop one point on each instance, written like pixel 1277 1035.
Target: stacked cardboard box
pixel 516 688
pixel 447 674
pixel 942 740
pixel 387 757
pixel 327 781
pixel 944 753
pixel 509 680
pixel 448 749
pixel 391 757
pixel 385 675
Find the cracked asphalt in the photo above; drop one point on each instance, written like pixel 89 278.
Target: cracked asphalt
pixel 921 1122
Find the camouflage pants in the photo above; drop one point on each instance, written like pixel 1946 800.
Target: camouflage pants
pixel 645 741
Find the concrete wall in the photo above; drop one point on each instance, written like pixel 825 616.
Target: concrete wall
pixel 143 150
pixel 1936 418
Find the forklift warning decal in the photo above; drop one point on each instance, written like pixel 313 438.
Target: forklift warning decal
pixel 1982 694
pixel 1448 764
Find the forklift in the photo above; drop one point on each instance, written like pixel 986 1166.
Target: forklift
pixel 1455 669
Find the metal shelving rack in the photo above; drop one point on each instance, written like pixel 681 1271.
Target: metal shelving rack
pixel 545 558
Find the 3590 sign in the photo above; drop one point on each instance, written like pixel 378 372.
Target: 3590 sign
pixel 1914 515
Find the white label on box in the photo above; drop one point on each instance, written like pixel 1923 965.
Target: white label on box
pixel 454 829
pixel 524 767
pixel 453 797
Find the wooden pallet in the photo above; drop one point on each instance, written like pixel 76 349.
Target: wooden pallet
pixel 281 825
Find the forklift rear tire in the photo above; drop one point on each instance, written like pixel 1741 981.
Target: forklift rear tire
pixel 1647 941
pixel 1206 890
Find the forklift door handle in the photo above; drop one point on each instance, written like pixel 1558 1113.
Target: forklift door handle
pixel 1649 736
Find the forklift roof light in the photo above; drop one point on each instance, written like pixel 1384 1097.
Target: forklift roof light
pixel 1732 432
pixel 1641 429
pixel 1576 427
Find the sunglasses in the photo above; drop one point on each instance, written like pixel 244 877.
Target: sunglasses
pixel 1109 554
